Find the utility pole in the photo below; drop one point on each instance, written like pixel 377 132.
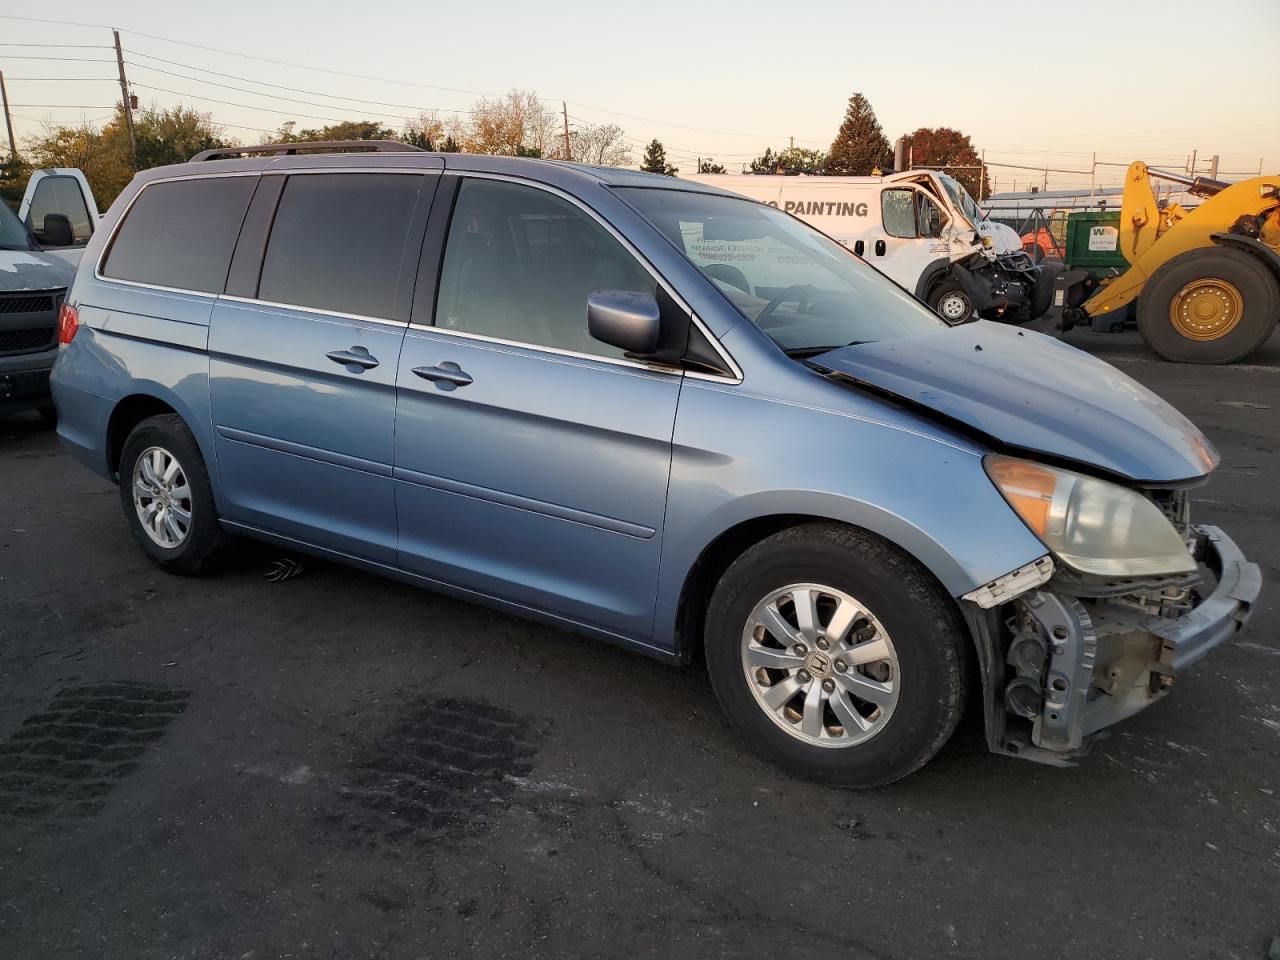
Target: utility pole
pixel 793 143
pixel 128 106
pixel 8 120
pixel 568 154
pixel 1213 168
pixel 982 176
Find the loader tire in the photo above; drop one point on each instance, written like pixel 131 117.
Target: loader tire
pixel 1211 305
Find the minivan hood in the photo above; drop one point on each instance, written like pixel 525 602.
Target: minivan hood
pixel 33 270
pixel 1034 393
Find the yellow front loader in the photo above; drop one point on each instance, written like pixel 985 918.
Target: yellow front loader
pixel 1207 280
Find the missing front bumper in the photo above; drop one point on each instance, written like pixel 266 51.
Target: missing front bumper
pixel 1059 669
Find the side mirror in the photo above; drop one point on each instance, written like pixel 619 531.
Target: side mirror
pixel 57 231
pixel 624 319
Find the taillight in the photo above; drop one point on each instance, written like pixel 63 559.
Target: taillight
pixel 68 323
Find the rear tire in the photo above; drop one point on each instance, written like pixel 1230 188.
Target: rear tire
pixel 905 677
pixel 1210 305
pixel 167 498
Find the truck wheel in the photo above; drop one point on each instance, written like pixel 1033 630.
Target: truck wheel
pixel 1211 305
pixel 951 302
pixel 836 655
pixel 166 496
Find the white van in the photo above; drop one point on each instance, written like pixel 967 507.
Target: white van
pixel 921 229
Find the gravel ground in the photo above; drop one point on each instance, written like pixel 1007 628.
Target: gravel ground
pixel 210 768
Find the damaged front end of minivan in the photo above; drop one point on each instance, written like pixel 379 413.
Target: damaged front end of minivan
pixel 1128 591
pixel 1065 654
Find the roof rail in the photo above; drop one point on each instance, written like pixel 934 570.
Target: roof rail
pixel 307 146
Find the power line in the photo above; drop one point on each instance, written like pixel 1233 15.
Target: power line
pixel 244 106
pixel 270 96
pixel 24 56
pixel 277 86
pixel 63 106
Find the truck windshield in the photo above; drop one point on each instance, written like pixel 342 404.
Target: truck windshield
pixel 13 235
pixel 960 197
pixel 804 290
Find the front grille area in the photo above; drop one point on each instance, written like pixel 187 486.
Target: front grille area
pixel 29 340
pixel 29 321
pixel 27 303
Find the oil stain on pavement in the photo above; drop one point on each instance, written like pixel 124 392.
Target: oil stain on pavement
pixel 445 770
pixel 65 760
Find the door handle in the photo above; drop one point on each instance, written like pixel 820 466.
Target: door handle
pixel 447 375
pixel 859 247
pixel 357 357
pixel 880 248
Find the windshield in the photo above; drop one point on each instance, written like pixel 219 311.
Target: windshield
pixel 804 290
pixel 960 197
pixel 13 235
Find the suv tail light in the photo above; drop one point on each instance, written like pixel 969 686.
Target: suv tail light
pixel 68 323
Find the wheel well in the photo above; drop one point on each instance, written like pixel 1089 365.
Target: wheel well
pixel 710 567
pixel 128 413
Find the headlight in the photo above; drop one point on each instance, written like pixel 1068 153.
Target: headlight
pixel 1091 525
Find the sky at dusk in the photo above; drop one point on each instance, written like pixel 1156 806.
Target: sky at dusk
pixel 1033 84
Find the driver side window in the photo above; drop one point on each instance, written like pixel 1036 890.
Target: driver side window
pixel 928 217
pixel 897 209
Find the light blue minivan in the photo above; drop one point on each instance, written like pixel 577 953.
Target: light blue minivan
pixel 656 413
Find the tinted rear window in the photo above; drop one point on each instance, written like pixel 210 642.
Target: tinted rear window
pixel 181 234
pixel 337 242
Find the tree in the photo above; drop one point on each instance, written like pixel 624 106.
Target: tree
pixel 655 160
pixel 943 148
pixel 860 145
pixel 709 165
pixel 599 144
pixel 102 155
pixel 424 132
pixel 791 161
pixel 14 174
pixel 515 125
pixel 169 136
pixel 345 130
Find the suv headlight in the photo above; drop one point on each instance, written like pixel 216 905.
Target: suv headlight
pixel 1091 525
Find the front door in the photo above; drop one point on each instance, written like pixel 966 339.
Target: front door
pixel 908 237
pixel 303 360
pixel 532 461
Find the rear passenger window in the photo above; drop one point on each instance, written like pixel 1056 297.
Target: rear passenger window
pixel 338 240
pixel 519 264
pixel 181 233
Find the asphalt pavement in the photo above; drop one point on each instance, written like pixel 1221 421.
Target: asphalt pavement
pixel 333 765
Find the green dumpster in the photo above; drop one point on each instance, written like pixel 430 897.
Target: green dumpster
pixel 1093 243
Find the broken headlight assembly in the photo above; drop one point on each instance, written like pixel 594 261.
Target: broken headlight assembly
pixel 1092 526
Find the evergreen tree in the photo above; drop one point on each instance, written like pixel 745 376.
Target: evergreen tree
pixel 709 165
pixel 860 145
pixel 655 160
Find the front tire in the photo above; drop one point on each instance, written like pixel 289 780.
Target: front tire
pixel 1209 305
pixel 166 496
pixel 951 302
pixel 836 656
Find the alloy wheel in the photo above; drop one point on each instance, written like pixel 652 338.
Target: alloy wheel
pixel 162 497
pixel 820 665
